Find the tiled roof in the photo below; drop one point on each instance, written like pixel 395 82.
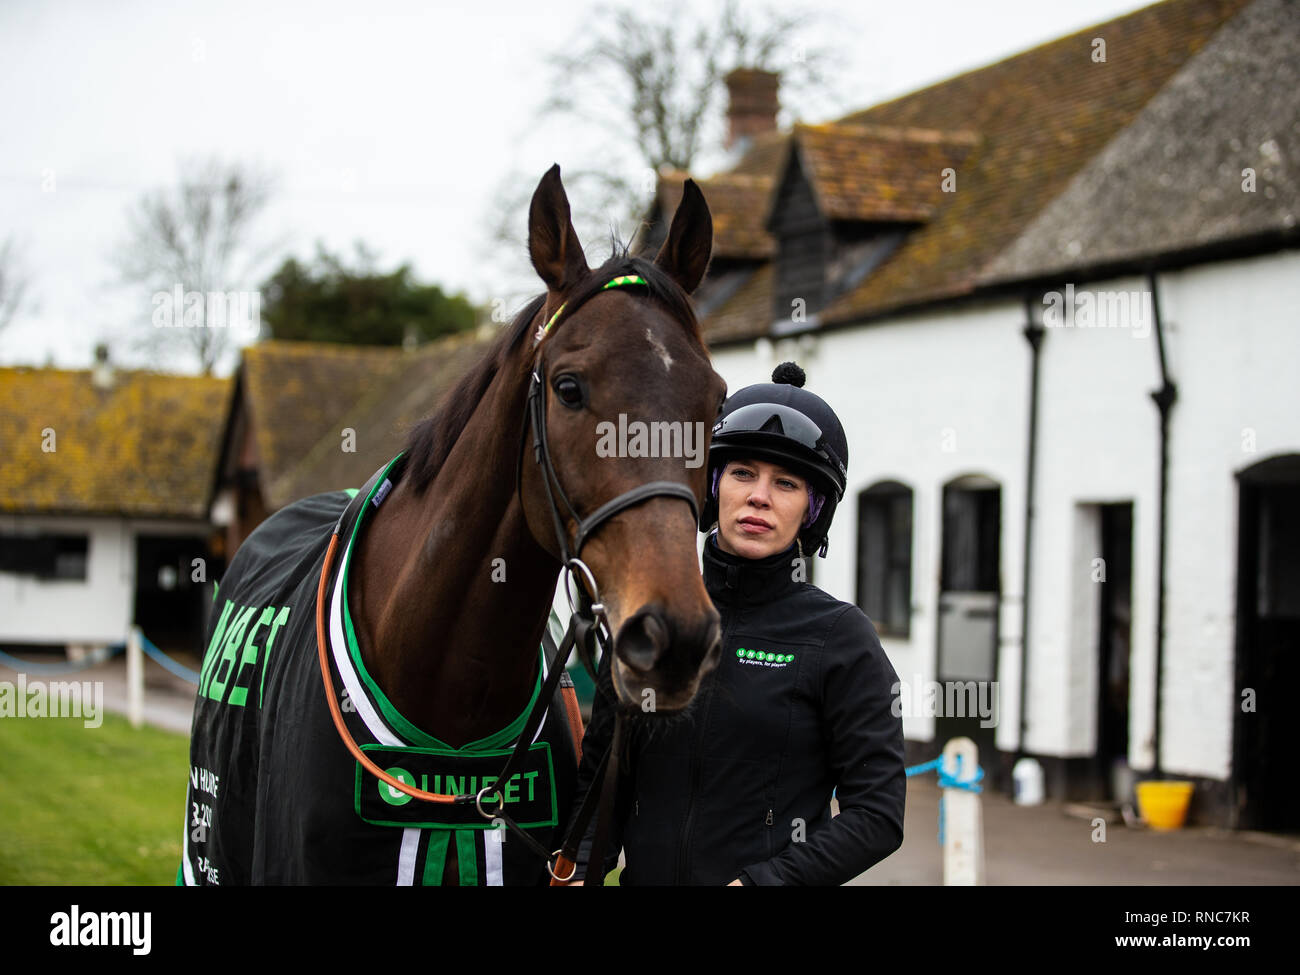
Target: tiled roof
pixel 145 447
pixel 1040 117
pixel 764 156
pixel 381 418
pixel 1173 180
pixel 737 202
pixel 297 391
pixel 874 172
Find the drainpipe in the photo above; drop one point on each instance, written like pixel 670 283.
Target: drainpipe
pixel 1164 398
pixel 1033 333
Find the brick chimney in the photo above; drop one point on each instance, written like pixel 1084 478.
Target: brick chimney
pixel 753 107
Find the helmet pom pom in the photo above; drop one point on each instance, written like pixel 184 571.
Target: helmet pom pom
pixel 790 374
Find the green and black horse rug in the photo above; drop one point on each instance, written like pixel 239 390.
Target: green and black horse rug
pixel 275 798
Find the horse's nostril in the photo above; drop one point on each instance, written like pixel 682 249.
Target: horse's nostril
pixel 642 640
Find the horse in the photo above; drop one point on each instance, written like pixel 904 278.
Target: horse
pixel 430 591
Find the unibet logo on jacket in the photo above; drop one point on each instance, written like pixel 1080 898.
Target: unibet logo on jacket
pixel 764 658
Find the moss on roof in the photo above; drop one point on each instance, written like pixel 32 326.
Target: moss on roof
pixel 296 392
pixel 146 446
pixel 737 204
pixel 876 172
pixel 382 416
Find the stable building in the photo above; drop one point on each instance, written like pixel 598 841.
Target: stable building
pixel 1053 301
pixel 105 477
pixel 310 417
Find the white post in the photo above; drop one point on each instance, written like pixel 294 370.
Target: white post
pixel 135 678
pixel 963 825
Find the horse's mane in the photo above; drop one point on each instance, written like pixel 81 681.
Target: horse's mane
pixel 431 439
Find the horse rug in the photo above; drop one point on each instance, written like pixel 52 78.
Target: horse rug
pixel 274 797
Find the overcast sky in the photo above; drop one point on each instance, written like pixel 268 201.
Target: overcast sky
pixel 392 123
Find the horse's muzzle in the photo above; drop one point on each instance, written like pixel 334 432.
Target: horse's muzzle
pixel 659 662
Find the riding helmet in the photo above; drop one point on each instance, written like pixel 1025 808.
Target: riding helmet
pixel 786 424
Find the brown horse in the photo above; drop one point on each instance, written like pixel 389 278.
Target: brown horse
pixel 445 595
pixel 454 649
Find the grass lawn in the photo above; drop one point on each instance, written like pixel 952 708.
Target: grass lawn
pixel 94 806
pixel 91 806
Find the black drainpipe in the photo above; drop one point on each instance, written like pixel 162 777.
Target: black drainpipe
pixel 1164 399
pixel 1033 333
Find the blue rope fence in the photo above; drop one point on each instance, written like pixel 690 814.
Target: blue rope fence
pixel 168 664
pixel 947 781
pixel 95 659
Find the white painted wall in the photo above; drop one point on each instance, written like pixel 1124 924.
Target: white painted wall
pixel 903 385
pixel 1098 437
pixel 923 400
pixel 1235 350
pixel 95 611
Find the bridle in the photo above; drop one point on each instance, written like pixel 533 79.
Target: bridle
pixel 570 560
pixel 588 626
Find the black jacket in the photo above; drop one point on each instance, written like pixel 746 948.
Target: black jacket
pixel 740 786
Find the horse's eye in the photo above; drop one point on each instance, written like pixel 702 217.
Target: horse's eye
pixel 570 392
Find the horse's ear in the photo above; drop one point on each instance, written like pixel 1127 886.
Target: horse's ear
pixel 685 253
pixel 552 242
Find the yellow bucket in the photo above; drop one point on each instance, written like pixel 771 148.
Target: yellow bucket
pixel 1164 804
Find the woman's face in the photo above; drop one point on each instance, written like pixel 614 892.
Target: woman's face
pixel 761 507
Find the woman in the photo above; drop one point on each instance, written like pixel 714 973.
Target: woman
pixel 738 790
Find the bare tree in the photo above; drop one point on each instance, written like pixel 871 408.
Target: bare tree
pixel 651 82
pixel 198 237
pixel 13 283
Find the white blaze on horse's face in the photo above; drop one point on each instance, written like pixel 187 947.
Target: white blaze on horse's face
pixel 660 350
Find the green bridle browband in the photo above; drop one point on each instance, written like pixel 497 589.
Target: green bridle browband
pixel 621 281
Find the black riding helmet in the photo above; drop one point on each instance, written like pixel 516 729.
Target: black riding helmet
pixel 783 423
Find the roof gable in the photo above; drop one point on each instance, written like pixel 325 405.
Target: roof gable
pixel 382 418
pixel 293 391
pixel 875 172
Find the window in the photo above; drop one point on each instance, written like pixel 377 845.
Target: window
pixel 971 538
pixel 44 556
pixel 884 588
